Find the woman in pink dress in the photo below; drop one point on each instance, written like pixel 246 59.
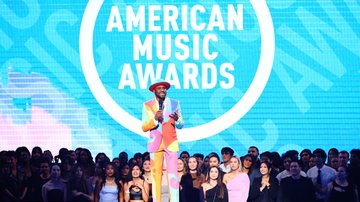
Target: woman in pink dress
pixel 237 182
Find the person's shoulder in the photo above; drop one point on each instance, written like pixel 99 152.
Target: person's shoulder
pixel 172 100
pixel 329 169
pixel 312 170
pixel 149 101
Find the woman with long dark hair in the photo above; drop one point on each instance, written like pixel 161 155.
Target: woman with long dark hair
pixel 197 178
pixel 136 189
pixel 214 189
pixel 80 187
pixel 264 188
pixel 185 181
pixel 109 188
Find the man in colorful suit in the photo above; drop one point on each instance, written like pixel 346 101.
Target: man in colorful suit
pixel 162 116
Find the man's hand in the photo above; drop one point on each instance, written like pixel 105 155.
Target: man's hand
pixel 159 115
pixel 175 116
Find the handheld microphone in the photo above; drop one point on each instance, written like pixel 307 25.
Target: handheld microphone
pixel 161 101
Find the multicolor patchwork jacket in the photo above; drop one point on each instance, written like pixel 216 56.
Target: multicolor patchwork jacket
pixel 166 130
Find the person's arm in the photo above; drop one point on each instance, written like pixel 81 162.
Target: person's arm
pixel 44 193
pixel 127 192
pixel 148 120
pixel 203 192
pixel 226 194
pixel 179 122
pixel 145 191
pixel 97 190
pixel 245 185
pixel 65 193
pixel 121 193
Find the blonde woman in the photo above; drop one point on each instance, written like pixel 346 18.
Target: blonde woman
pixel 237 182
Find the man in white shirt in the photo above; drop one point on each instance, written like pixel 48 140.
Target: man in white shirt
pixel 226 154
pixel 321 175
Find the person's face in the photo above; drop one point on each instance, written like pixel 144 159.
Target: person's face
pixel 214 162
pixel 109 171
pixel 101 157
pixel 344 159
pixel 200 161
pixel 160 92
pixel 185 157
pixel 334 162
pixel 312 162
pixel 318 159
pixel 11 161
pixel 294 169
pixel 214 173
pixel 84 157
pixel 180 165
pixel 73 155
pixel 253 152
pixel 48 154
pixel 44 168
pixel 67 166
pixel 36 155
pixel 116 162
pixel 146 166
pixel 225 156
pixel 123 157
pixel 234 164
pixel 286 163
pixel 341 173
pixel 98 169
pixel 264 170
pixel 125 170
pixel 305 157
pixel 139 161
pixel 192 163
pixel 355 159
pixel 24 156
pixel 78 172
pixel 55 171
pixel 136 172
pixel 331 154
pixel 206 162
pixel 248 162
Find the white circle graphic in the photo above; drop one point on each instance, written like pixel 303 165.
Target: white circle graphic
pixel 211 128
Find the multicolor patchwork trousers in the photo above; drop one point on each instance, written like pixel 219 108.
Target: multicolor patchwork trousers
pixel 157 161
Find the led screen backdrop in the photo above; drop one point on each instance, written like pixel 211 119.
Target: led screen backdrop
pixel 276 74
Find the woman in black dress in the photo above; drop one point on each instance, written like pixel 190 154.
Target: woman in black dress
pixel 214 189
pixel 341 190
pixel 54 189
pixel 264 188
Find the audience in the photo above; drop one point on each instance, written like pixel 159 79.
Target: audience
pixel 74 174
